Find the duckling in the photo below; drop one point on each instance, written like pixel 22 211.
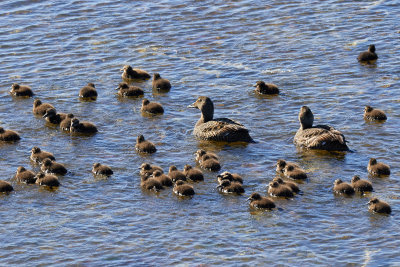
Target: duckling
pixel 341 187
pixel 53 117
pixel 371 113
pixel 38 155
pixel 82 127
pixel 210 164
pixel 176 175
pixel 192 173
pixel 129 74
pixel 181 188
pixel 65 124
pixel 377 168
pixel 88 92
pixel 277 190
pixel 151 107
pixel 124 90
pixel 8 135
pixel 147 170
pixel 47 180
pixel 151 184
pixel 369 56
pixel 263 88
pixel 21 90
pixel 100 169
pixel 229 187
pixel 40 108
pixel 259 202
pixel 144 146
pixel 379 206
pixel 361 185
pixel 281 164
pixel 201 152
pixel 5 187
pixel 294 173
pixel 318 137
pixel 291 185
pixel 160 84
pixel 233 177
pixel 221 129
pixel 165 180
pixel 49 166
pixel 25 176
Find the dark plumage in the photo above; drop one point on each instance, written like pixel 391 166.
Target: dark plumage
pixel 266 88
pixel 53 117
pixel 151 184
pixel 259 202
pixel 229 187
pixel 144 146
pixel 318 137
pixel 47 180
pixel 38 155
pixel 341 187
pixel 165 180
pixel 40 108
pixel 151 107
pixel 181 188
pixel 147 170
pixel 49 166
pixel 282 164
pixel 8 135
pixel 160 84
pixel 5 187
pixel 65 124
pixel 129 74
pixel 291 185
pixel 294 173
pixel 124 90
pixel 233 177
pixel 374 114
pixel 377 168
pixel 99 169
pixel 221 129
pixel 21 90
pixel 200 153
pixel 277 190
pixel 82 127
pixel 379 206
pixel 361 185
pixel 210 164
pixel 88 92
pixel 369 56
pixel 175 174
pixel 192 173
pixel 25 176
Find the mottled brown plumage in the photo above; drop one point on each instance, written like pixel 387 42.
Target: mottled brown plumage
pixel 263 88
pixel 371 113
pixel 259 202
pixel 8 135
pixel 377 168
pixel 21 90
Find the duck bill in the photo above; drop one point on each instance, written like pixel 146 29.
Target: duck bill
pixel 45 115
pixel 192 106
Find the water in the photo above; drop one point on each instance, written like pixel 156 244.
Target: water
pixel 214 48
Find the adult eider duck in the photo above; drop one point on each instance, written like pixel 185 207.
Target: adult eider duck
pixel 193 174
pixel 82 127
pixel 361 185
pixel 47 180
pixel 21 90
pixel 318 137
pixel 88 92
pixel 8 135
pixel 25 176
pixel 181 188
pixel 263 88
pixel 259 202
pixel 151 107
pixel 371 113
pixel 5 187
pixel 341 187
pixel 368 57
pixel 129 74
pixel 124 90
pixel 38 155
pixel 160 84
pixel 379 206
pixel 53 117
pixel 278 190
pixel 377 168
pixel 221 129
pixel 52 167
pixel 40 108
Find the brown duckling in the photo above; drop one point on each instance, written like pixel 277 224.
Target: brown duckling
pixel 53 117
pixel 371 113
pixel 221 129
pixel 263 88
pixel 379 206
pixel 38 155
pixel 47 180
pixel 165 180
pixel 40 108
pixel 193 174
pixel 100 169
pixel 233 177
pixel 210 164
pixel 130 74
pixel 294 173
pixel 144 146
pixel 25 176
pixel 160 84
pixel 291 185
pixel 318 137
pixel 341 187
pixel 5 187
pixel 8 135
pixel 65 124
pixel 369 56
pixel 88 92
pixel 259 202
pixel 361 185
pixel 151 184
pixel 181 188
pixel 21 90
pixel 49 166
pixel 82 127
pixel 151 107
pixel 124 90
pixel 277 190
pixel 377 168
pixel 201 152
pixel 229 187
pixel 176 175
pixel 147 170
pixel 281 165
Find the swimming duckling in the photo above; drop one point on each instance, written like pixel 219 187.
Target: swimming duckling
pixel 151 107
pixel 53 117
pixel 49 166
pixel 181 188
pixel 124 90
pixel 88 92
pixel 341 187
pixel 281 164
pixel 100 169
pixel 25 176
pixel 371 113
pixel 369 56
pixel 147 170
pixel 21 90
pixel 379 206
pixel 377 168
pixel 129 74
pixel 233 177
pixel 82 127
pixel 40 108
pixel 259 202
pixel 144 146
pixel 221 129
pixel 165 180
pixel 160 84
pixel 318 137
pixel 361 185
pixel 8 135
pixel 65 124
pixel 176 175
pixel 38 155
pixel 193 174
pixel 229 187
pixel 151 184
pixel 201 152
pixel 294 173
pixel 210 164
pixel 277 190
pixel 291 185
pixel 263 88
pixel 5 187
pixel 47 180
